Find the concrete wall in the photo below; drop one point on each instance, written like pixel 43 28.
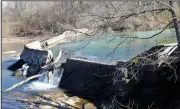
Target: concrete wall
pixel 87 79
pixel 36 57
pixel 90 79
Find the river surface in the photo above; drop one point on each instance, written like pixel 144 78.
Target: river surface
pixel 101 50
pixel 9 100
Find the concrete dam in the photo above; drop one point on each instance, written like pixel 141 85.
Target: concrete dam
pixel 96 80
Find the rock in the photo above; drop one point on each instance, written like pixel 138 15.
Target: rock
pixel 21 71
pixel 47 107
pixel 90 106
pixel 34 45
pixel 33 70
pixel 16 65
pixel 31 107
pixel 36 56
pixel 55 96
pixel 65 54
pixel 18 72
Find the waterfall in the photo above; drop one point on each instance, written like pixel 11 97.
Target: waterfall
pixel 24 69
pixel 56 77
pixel 48 81
pixel 53 77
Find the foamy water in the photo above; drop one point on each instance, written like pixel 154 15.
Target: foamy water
pixel 44 83
pixel 38 86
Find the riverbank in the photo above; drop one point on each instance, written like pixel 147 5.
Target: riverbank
pixel 67 36
pixel 57 100
pixel 22 40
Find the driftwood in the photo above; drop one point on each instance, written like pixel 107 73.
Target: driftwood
pixel 45 100
pixel 71 105
pixel 50 103
pixel 24 81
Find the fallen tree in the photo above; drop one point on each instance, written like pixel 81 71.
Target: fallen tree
pixel 24 81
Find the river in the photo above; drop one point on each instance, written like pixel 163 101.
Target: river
pixel 97 50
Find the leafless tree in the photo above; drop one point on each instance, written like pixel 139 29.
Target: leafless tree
pixel 102 17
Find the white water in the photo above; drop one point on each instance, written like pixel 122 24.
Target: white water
pixel 38 86
pixel 43 83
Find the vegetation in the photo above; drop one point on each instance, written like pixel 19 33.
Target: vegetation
pixel 22 18
pixel 53 18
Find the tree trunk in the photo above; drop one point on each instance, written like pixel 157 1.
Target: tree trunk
pixel 176 26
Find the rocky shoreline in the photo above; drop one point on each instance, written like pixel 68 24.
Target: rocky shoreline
pixel 56 100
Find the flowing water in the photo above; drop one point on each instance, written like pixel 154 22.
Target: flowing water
pixel 9 99
pixel 100 50
pixel 23 91
pixel 48 81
